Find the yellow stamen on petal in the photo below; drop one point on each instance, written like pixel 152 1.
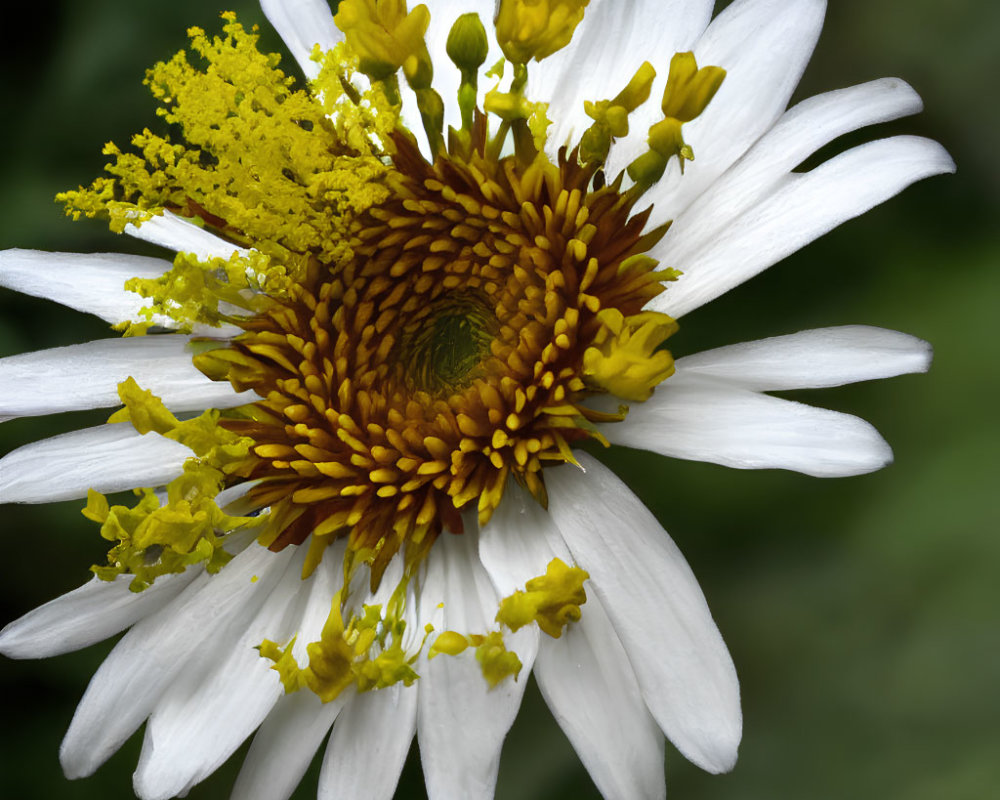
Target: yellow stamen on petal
pixel 611 116
pixel 552 600
pixel 688 92
pixel 624 360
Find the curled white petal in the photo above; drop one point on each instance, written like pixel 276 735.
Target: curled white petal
pixel 290 736
pixel 657 608
pixel 590 686
pixel 285 745
pixel 87 375
pixel 107 458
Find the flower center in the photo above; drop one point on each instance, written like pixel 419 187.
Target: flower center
pixel 455 350
pixel 444 351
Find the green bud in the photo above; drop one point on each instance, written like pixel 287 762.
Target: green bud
pixel 467 43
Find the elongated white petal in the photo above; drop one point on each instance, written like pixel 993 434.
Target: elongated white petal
pixel 802 208
pixel 608 69
pixel 812 359
pixel 368 746
pixel 657 608
pixel 764 46
pixel 90 282
pixel 87 376
pixel 292 733
pixel 302 24
pixel 285 745
pixel 800 132
pixel 182 236
pixel 89 614
pixel 459 759
pixel 187 635
pixel 703 420
pixel 202 719
pixel 108 458
pixel 590 686
pixel 584 675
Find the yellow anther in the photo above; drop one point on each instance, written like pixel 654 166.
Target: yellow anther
pixel 611 116
pixel 552 600
pixel 385 37
pixel 536 29
pixel 688 92
pixel 623 359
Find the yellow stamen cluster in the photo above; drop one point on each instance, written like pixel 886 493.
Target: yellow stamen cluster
pixel 366 653
pixel 261 163
pixel 156 536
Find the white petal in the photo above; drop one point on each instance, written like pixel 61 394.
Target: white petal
pixel 303 24
pixel 107 458
pixel 89 614
pixel 658 610
pixel 799 133
pixel 292 733
pixel 285 745
pixel 703 420
pixel 90 282
pixel 764 46
pixel 87 376
pixel 369 744
pixel 812 359
pixel 584 675
pixel 513 546
pixel 588 682
pixel 459 759
pixel 182 236
pixel 613 40
pixel 802 208
pixel 186 635
pixel 203 718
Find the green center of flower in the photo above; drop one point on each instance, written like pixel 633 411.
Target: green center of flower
pixel 444 352
pixel 421 327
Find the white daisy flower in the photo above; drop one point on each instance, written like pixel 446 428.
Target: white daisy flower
pixel 354 399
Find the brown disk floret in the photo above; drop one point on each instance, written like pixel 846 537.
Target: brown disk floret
pixel 446 357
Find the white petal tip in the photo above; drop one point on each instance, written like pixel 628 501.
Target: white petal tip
pixel 718 750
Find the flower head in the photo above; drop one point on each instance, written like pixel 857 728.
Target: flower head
pixel 353 405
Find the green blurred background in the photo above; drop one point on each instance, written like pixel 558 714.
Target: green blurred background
pixel 862 613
